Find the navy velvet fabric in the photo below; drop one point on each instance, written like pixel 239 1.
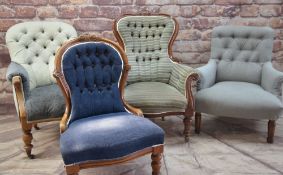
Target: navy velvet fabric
pixel 108 136
pixel 92 71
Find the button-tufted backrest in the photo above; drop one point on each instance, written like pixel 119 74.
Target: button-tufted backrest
pixel 34 44
pixel 240 52
pixel 146 40
pixel 92 71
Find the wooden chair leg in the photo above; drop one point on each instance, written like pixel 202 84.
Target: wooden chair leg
pixel 27 138
pixel 72 170
pixel 163 118
pixel 271 131
pixel 36 127
pixel 187 126
pixel 156 156
pixel 197 122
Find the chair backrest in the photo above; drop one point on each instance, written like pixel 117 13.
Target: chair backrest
pixel 147 41
pixel 34 44
pixel 240 52
pixel 92 72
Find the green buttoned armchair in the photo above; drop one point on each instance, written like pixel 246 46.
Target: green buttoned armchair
pixel 239 80
pixel 157 83
pixel 32 47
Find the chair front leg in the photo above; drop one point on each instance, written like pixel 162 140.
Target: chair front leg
pixel 271 131
pixel 27 137
pixel 187 125
pixel 156 156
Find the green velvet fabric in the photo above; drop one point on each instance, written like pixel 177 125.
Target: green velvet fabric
pixel 155 97
pixel 146 40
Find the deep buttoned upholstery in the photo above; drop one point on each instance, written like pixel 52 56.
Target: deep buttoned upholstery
pixel 99 128
pixel 239 80
pixel 32 47
pixel 146 40
pixel 92 71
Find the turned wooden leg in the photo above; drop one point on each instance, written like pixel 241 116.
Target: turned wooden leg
pixel 163 118
pixel 271 131
pixel 187 126
pixel 36 127
pixel 156 156
pixel 27 138
pixel 72 170
pixel 197 122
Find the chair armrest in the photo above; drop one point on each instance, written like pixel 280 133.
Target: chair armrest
pixel 19 97
pixel 271 79
pixel 134 110
pixel 15 69
pixel 207 75
pixel 180 76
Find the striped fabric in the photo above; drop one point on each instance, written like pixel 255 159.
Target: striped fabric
pixel 155 97
pixel 146 41
pixel 179 76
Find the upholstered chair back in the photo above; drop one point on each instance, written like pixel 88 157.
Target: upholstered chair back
pixel 240 52
pixel 33 45
pixel 92 71
pixel 146 40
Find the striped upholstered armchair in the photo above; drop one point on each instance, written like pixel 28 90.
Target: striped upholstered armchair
pixel 156 83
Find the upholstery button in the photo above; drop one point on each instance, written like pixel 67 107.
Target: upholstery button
pixel 68 36
pixel 17 40
pixel 132 34
pixel 139 35
pixel 142 26
pixel 157 58
pixel 143 59
pixel 159 48
pixel 36 54
pixel 146 36
pixel 53 53
pixel 164 25
pixel 149 26
pixel 42 31
pixel 139 51
pixel 59 30
pixel 146 50
pixel 150 59
pixel 128 25
pixel 47 63
pixel 135 25
pixel 34 39
pixel 157 25
pixel 160 34
pixel 51 38
pixel 133 50
pixel 26 46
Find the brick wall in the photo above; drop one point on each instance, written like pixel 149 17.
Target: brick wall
pixel 196 19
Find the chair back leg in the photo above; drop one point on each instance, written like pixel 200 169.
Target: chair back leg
pixel 197 122
pixel 271 131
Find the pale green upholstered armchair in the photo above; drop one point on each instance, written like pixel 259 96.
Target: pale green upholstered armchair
pixel 32 47
pixel 239 80
pixel 156 84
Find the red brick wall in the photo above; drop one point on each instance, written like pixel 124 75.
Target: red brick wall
pixel 196 18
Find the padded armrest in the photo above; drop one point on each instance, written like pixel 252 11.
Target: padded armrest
pixel 271 79
pixel 207 74
pixel 16 69
pixel 179 75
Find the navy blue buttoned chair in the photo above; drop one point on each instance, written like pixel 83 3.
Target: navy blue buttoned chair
pixel 99 128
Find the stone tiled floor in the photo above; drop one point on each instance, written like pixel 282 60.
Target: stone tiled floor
pixel 224 147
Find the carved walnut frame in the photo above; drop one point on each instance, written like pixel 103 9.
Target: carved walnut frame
pixel 189 111
pixel 72 169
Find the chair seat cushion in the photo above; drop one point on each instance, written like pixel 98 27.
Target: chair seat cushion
pixel 45 102
pixel 238 99
pixel 108 136
pixel 155 97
